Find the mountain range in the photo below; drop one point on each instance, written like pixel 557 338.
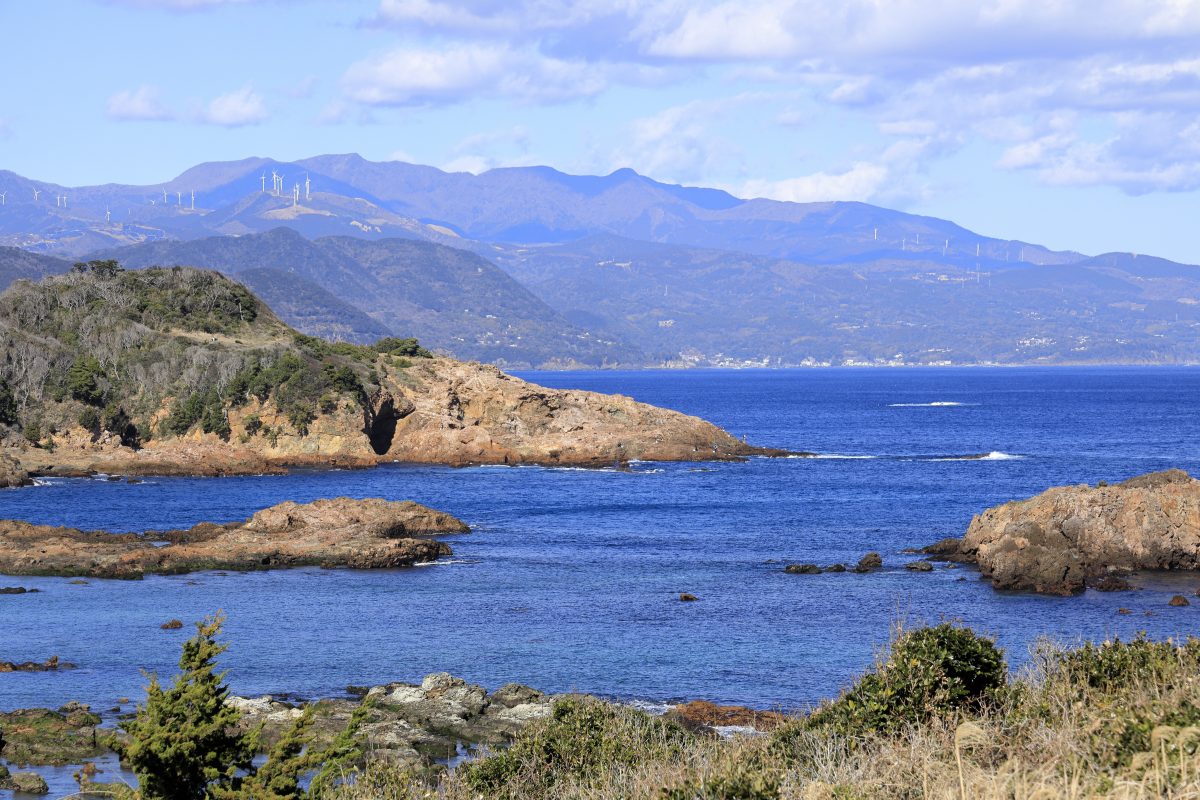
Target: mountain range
pixel 532 267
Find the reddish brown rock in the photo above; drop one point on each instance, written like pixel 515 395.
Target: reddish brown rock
pixel 361 534
pixel 1069 536
pixel 703 714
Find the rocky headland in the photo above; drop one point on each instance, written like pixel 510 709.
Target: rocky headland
pixel 184 372
pixel 1072 537
pixel 359 534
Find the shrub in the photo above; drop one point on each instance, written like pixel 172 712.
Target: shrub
pixel 8 405
pixel 83 380
pixel 253 424
pixel 89 419
pixel 582 740
pixel 930 672
pixel 401 347
pixel 184 740
pixel 744 783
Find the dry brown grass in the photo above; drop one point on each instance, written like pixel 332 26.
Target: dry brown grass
pixel 1120 721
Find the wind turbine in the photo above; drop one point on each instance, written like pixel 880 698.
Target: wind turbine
pixel 164 197
pixel 307 187
pixel 64 201
pixel 296 195
pixel 264 183
pixel 275 183
pixel 36 192
pixel 107 215
pixel 179 199
pixel 3 197
pixel 193 199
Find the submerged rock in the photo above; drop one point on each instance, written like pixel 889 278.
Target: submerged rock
pixel 687 597
pixel 17 590
pixel 51 664
pixel 1066 537
pixel 1178 600
pixel 835 568
pixel 919 566
pixel 361 534
pixel 802 569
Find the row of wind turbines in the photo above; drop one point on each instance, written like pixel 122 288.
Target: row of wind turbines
pixel 277 187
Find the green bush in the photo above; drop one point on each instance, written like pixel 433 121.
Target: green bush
pixel 253 424
pixel 930 672
pixel 401 347
pixel 582 741
pixel 89 419
pixel 184 742
pixel 83 380
pixel 8 405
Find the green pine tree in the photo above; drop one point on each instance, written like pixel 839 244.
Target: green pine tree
pixel 279 778
pixel 185 740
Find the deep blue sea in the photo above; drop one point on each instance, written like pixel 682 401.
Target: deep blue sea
pixel 570 578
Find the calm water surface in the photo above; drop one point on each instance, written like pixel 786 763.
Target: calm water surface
pixel 570 577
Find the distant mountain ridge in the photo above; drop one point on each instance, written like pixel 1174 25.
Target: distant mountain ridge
pixel 529 266
pixel 358 290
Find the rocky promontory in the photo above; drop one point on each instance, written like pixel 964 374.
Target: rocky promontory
pixel 1071 537
pixel 360 534
pixel 184 372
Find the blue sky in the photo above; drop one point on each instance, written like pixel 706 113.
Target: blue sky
pixel 1073 124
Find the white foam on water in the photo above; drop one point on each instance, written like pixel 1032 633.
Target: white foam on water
pixel 838 457
pixel 995 455
pixel 444 562
pixel 934 404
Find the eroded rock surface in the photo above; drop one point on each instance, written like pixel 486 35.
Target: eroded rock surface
pixel 436 411
pixel 413 723
pixel 1070 537
pixel 361 534
pixel 11 472
pixel 47 737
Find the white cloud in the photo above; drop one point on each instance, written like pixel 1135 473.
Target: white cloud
pixel 414 76
pixel 862 181
pixel 237 108
pixel 677 144
pixel 1052 83
pixel 141 103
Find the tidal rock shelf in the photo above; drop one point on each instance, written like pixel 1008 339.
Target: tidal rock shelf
pixel 359 534
pixel 1072 537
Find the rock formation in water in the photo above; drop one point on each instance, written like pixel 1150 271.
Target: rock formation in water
pixel 184 372
pixel 11 473
pixel 360 534
pixel 1070 537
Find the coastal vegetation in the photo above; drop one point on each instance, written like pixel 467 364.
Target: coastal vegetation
pixel 938 716
pixel 110 349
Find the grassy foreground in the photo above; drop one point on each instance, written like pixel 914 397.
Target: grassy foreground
pixel 938 716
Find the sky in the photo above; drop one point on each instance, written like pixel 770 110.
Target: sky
pixel 1071 124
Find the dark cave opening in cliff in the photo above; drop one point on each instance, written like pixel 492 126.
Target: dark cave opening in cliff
pixel 381 427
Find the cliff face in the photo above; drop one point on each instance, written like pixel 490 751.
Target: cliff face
pixel 184 372
pixel 1069 536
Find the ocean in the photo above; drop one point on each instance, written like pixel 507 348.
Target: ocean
pixel 570 578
